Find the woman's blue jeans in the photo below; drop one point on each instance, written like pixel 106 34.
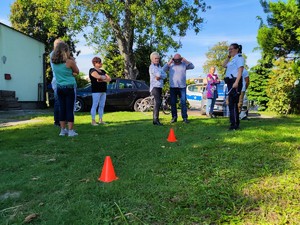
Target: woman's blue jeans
pixel 210 104
pixel 66 98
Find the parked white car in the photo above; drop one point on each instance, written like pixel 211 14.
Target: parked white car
pixel 194 95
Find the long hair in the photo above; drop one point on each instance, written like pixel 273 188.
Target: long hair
pixel 237 46
pixel 61 53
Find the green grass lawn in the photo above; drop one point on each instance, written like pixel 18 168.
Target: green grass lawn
pixel 209 176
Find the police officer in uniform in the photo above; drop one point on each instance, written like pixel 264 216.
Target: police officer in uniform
pixel 234 65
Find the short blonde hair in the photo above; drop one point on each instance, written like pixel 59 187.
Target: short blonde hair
pixel 154 54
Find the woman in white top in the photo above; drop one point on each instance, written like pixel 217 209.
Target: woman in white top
pixel 157 75
pixel 234 65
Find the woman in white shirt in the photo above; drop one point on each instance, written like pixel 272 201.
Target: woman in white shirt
pixel 234 65
pixel 157 75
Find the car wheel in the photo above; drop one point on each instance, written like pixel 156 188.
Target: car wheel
pixel 137 105
pixel 79 105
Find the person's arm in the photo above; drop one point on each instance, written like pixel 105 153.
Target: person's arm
pixel 108 78
pixel 70 63
pixel 217 81
pixel 247 80
pixel 166 67
pixel 189 65
pixel 226 61
pixel 239 76
pixel 97 76
pixel 153 72
pixel 240 62
pixel 209 79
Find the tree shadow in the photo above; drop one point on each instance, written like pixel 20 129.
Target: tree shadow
pixel 207 177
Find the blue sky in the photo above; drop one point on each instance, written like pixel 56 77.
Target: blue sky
pixel 231 21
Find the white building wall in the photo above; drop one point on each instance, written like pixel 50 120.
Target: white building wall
pixel 24 62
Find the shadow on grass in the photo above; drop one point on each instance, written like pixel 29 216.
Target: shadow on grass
pixel 203 178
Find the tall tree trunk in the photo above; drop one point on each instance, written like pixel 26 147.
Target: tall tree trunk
pixel 124 36
pixel 131 70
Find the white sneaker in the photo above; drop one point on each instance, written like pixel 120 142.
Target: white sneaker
pixel 63 132
pixel 72 133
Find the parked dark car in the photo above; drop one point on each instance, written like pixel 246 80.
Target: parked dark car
pixel 122 94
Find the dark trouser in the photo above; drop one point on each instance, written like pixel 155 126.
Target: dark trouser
pixel 156 92
pixel 66 98
pixel 56 108
pixel 233 101
pixel 181 92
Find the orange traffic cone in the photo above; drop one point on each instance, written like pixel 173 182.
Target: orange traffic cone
pixel 171 137
pixel 108 172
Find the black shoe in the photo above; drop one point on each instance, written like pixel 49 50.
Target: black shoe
pixel 231 128
pixel 235 127
pixel 185 120
pixel 157 123
pixel 174 120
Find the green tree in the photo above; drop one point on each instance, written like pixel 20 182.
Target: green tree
pixel 44 20
pixel 259 78
pixel 81 80
pixel 131 21
pixel 279 41
pixel 215 57
pixel 281 85
pixel 113 61
pixel 281 36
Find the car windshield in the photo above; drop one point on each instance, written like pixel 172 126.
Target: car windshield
pixel 195 88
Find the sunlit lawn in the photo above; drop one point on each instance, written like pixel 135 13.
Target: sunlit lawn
pixel 209 176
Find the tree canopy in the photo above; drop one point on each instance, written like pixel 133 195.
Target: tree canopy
pixel 154 23
pixel 281 35
pixel 274 77
pixel 216 56
pixel 44 20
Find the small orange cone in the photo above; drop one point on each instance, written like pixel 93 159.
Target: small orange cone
pixel 108 172
pixel 171 137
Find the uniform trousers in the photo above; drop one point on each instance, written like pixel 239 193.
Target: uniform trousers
pixel 233 100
